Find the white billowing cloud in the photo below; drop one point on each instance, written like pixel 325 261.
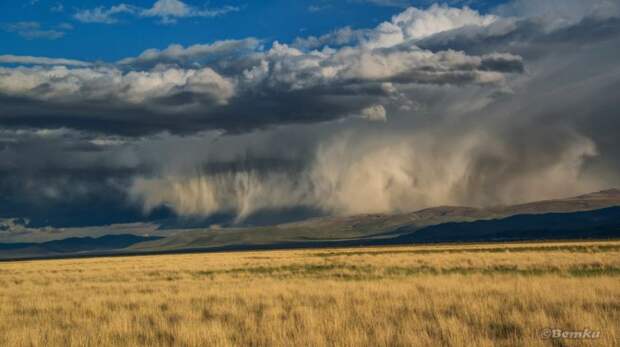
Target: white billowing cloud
pixel 61 84
pixel 237 85
pixel 167 10
pixel 411 24
pixel 418 65
pixel 374 113
pixel 288 68
pixel 415 24
pixel 30 60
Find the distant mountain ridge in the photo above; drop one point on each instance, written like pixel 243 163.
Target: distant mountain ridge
pixel 375 227
pixel 595 224
pixel 390 223
pixel 72 245
pixel 594 215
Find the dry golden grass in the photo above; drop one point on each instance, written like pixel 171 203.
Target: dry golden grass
pixel 476 295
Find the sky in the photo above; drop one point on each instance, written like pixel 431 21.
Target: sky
pixel 247 112
pixel 77 29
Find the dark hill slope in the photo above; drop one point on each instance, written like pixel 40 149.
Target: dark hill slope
pixel 597 224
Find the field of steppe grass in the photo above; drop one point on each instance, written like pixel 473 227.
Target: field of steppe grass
pixel 453 295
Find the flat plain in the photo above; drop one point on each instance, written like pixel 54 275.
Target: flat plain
pixel 448 295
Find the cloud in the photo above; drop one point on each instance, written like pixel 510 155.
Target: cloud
pixel 76 173
pixel 558 13
pixel 337 38
pixel 319 8
pixel 168 8
pixel 195 55
pixel 13 225
pixel 168 11
pixel 33 30
pixel 375 113
pixel 168 91
pixel 548 134
pixel 239 86
pixel 352 174
pixel 29 60
pixel 279 86
pixel 104 15
pixel 411 24
pixel 483 109
pixel 416 24
pixel 57 8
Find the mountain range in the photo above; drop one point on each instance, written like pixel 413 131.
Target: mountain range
pixel 594 215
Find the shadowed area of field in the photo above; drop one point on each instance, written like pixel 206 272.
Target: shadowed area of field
pixel 451 295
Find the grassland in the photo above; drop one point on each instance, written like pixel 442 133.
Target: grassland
pixel 470 295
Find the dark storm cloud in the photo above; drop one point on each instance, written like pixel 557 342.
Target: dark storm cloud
pixel 62 178
pixel 529 38
pixel 466 109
